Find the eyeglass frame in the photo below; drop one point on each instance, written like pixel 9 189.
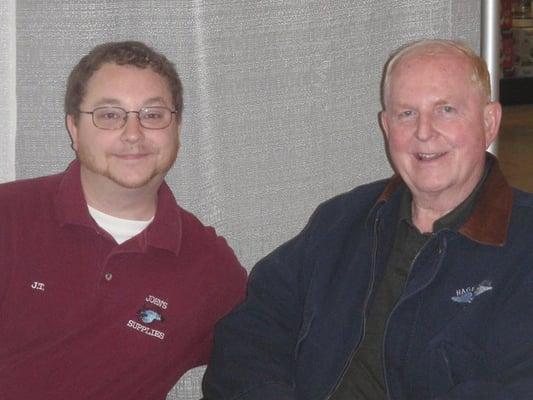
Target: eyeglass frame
pixel 125 119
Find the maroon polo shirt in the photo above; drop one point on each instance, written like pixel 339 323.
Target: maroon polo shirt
pixel 82 317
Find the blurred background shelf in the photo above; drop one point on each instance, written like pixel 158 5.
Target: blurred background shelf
pixel 515 91
pixel 515 146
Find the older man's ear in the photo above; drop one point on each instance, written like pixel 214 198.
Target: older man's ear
pixel 492 116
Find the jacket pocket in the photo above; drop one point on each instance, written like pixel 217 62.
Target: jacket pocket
pixel 454 362
pixel 304 330
pixel 440 370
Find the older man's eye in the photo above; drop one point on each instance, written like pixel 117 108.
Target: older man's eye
pixel 448 109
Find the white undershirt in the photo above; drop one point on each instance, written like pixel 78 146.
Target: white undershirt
pixel 121 229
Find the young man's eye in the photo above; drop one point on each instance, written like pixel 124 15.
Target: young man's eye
pixel 107 114
pixel 110 115
pixel 153 115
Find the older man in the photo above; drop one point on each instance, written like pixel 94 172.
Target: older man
pixel 417 287
pixel 108 289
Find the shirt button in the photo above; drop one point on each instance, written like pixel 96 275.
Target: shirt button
pixel 108 276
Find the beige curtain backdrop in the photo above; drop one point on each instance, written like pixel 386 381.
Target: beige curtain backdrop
pixel 281 98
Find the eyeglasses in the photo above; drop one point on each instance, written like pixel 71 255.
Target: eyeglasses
pixel 116 117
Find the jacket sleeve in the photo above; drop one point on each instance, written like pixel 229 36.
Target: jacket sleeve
pixel 254 346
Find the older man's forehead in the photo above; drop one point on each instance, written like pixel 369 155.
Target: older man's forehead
pixel 455 64
pixel 444 55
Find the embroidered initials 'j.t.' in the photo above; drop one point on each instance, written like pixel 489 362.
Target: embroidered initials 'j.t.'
pixel 38 286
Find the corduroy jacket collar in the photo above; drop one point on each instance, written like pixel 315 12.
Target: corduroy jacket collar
pixel 489 221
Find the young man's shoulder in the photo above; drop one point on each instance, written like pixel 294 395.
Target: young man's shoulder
pixel 200 235
pixel 30 190
pixel 216 262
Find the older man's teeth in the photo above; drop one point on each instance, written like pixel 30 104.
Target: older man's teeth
pixel 428 156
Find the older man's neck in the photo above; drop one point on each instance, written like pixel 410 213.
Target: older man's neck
pixel 424 216
pixel 425 210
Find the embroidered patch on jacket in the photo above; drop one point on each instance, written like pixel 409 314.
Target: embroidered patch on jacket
pixel 467 295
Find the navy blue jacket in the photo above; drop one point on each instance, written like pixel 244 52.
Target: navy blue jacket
pixel 462 329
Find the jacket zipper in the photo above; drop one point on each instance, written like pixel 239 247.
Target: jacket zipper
pixel 368 294
pixel 397 305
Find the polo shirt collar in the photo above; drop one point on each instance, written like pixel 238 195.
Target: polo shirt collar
pixel 165 231
pixel 70 204
pixel 489 220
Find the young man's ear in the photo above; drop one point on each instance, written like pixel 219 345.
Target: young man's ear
pixel 72 131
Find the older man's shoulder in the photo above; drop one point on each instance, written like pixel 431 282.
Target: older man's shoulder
pixel 364 196
pixel 523 199
pixel 347 208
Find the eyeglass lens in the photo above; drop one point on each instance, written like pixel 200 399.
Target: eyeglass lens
pixel 116 117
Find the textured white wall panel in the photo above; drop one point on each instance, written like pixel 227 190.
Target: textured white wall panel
pixel 8 102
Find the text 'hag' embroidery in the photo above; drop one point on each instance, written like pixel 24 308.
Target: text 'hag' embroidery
pixel 467 295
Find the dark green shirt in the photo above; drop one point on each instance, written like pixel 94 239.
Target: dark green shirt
pixel 364 378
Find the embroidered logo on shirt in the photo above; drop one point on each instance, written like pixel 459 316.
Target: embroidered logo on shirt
pixel 146 330
pixel 157 302
pixel 148 316
pixel 151 313
pixel 467 295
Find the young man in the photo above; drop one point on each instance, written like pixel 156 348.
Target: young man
pixel 108 289
pixel 417 287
